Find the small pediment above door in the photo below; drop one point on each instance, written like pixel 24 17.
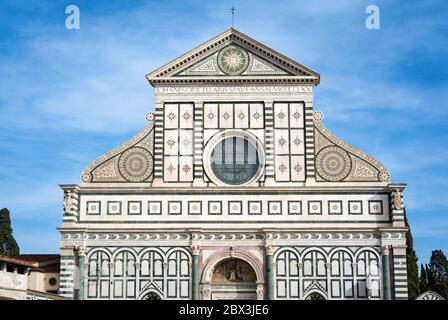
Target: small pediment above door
pixel 233 56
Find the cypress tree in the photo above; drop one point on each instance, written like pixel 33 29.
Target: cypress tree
pixel 8 245
pixel 438 273
pixel 411 263
pixel 423 278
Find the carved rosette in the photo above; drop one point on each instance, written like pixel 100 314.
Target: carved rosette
pixel 333 163
pixel 135 164
pixel 233 60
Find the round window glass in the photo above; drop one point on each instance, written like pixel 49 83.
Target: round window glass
pixel 235 160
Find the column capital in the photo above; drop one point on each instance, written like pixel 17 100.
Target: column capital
pixel 81 250
pixel 385 249
pixel 196 249
pixel 269 250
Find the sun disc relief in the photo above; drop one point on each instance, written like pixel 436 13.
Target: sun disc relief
pixel 333 163
pixel 233 60
pixel 135 164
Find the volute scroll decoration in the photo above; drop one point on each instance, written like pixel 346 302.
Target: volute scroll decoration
pixel 337 161
pixel 129 162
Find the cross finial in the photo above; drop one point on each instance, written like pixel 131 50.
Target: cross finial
pixel 233 15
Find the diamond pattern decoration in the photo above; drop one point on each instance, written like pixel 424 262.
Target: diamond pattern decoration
pixel 186 116
pixel 297 141
pixel 281 115
pixel 282 167
pixel 171 116
pixel 171 168
pixel 281 141
pixel 298 168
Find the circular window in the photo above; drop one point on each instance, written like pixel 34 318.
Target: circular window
pixel 234 160
pixel 53 281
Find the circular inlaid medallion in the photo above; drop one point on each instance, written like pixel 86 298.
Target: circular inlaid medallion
pixel 233 60
pixel 333 163
pixel 135 164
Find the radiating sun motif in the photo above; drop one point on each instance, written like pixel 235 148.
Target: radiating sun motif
pixel 233 60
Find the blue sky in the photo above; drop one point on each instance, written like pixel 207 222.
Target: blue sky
pixel 68 96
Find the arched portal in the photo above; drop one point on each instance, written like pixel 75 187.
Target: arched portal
pixel 315 296
pixel 152 296
pixel 232 275
pixel 233 279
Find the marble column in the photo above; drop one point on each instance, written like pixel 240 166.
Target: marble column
pixel 386 273
pixel 81 261
pixel 195 272
pixel 270 272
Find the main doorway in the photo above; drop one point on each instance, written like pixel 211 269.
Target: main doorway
pixel 233 279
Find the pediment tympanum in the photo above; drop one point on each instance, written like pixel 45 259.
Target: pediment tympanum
pixel 231 56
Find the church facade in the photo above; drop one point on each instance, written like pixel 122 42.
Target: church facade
pixel 235 189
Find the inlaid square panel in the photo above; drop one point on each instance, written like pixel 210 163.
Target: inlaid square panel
pixel 170 168
pixel 315 207
pixel 195 207
pixel 375 207
pixel 235 207
pixel 294 207
pixel 282 168
pixel 274 207
pixel 241 115
pixel 256 117
pixel 93 207
pixel 335 207
pixel 281 141
pixel 215 207
pixel 225 115
pixel 355 207
pixel 171 115
pixel 154 207
pixel 186 168
pixel 186 115
pixel 296 115
pixel 254 207
pixel 185 142
pixel 297 141
pixel 281 115
pixel 211 115
pixel 174 207
pixel 134 207
pixel 113 207
pixel 297 168
pixel 171 142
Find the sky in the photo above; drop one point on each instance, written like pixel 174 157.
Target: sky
pixel 68 96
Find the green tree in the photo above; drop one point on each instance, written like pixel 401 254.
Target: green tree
pixel 423 285
pixel 8 245
pixel 438 273
pixel 411 262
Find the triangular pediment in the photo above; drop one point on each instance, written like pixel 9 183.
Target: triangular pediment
pixel 230 56
pixel 244 63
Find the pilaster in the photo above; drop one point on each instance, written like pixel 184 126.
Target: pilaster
pixel 386 273
pixel 195 273
pixel 81 254
pixel 400 273
pixel 270 272
pixel 269 141
pixel 309 141
pixel 158 144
